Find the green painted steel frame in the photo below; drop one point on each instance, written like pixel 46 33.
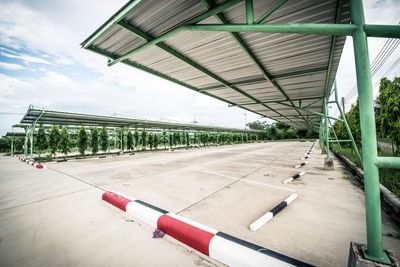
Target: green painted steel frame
pixel 359 30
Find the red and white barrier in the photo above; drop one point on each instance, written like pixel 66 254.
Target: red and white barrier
pixel 220 246
pixel 32 162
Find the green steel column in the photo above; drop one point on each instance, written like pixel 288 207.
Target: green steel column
pixel 326 129
pixel 26 143
pixel 374 250
pixel 343 115
pixel 249 12
pixel 31 141
pixel 12 142
pixel 334 134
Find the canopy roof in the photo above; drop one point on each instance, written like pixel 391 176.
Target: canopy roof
pixel 274 75
pixel 42 116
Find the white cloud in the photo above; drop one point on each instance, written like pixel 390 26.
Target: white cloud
pixel 27 58
pixel 11 66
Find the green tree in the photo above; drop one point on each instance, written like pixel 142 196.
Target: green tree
pixel 83 141
pixel 389 109
pixel 129 141
pixel 54 139
pixel 64 140
pixel 187 140
pixel 104 139
pixel 353 119
pixel 41 141
pixel 164 139
pixel 136 137
pixel 151 140
pixel 144 139
pixel 155 141
pixel 94 140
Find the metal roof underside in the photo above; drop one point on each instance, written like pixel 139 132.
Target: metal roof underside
pixel 41 116
pixel 296 63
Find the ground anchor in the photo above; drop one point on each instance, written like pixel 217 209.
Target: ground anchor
pixel 357 257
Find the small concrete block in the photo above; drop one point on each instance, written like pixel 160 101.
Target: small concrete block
pixel 356 258
pixel 328 164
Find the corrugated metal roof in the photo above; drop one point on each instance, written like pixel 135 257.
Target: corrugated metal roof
pixel 42 116
pixel 235 77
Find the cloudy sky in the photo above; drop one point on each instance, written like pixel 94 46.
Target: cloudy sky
pixel 41 63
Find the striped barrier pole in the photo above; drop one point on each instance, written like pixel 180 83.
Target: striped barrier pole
pixel 294 177
pixel 220 246
pixel 305 157
pixel 301 164
pixel 273 212
pixel 32 162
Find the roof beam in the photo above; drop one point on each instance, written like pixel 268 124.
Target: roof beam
pixel 332 48
pixel 173 52
pixel 318 98
pixel 227 4
pixel 245 47
pixel 292 28
pixel 247 50
pixel 112 21
pixel 146 69
pixel 249 12
pixel 273 78
pixel 269 12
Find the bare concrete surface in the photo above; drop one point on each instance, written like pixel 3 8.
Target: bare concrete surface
pixel 55 217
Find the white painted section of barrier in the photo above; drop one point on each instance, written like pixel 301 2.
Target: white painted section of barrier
pixel 195 224
pixel 233 254
pixel 290 198
pixel 289 180
pixel 299 165
pixel 143 213
pixel 261 221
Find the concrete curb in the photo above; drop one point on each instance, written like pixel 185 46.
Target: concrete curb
pixel 387 196
pixel 273 212
pixel 220 246
pixel 294 177
pixel 32 162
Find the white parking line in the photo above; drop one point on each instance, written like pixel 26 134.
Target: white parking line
pixel 250 181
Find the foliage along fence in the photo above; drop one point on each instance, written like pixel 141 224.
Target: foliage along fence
pixel 387 115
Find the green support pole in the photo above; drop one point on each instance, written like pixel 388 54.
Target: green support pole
pixel 275 7
pixel 31 140
pixel 249 12
pixel 12 142
pixel 374 250
pixel 334 134
pixel 342 114
pixel 326 129
pixel 26 143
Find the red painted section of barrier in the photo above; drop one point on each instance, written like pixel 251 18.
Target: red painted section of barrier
pixel 188 234
pixel 39 166
pixel 116 200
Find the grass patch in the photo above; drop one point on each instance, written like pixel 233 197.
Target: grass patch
pixel 390 178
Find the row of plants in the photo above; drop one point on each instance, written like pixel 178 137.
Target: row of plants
pixel 61 139
pixel 387 116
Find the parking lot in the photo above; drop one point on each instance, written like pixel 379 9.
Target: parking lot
pixel 55 216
